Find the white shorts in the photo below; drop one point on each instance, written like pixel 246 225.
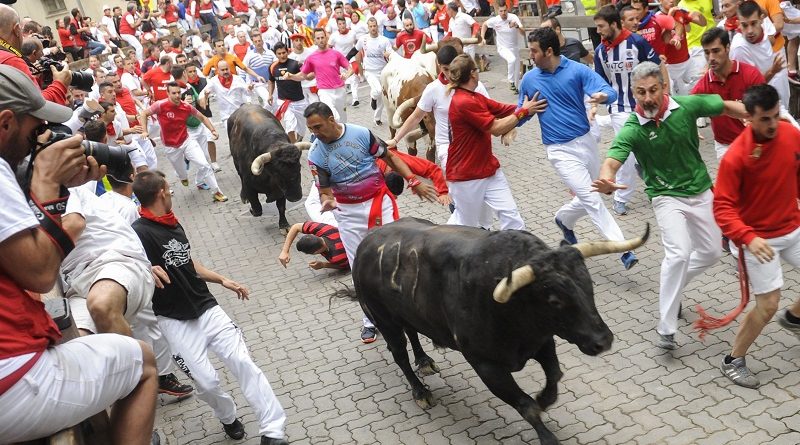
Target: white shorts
pixel 131 274
pixel 767 277
pixel 69 383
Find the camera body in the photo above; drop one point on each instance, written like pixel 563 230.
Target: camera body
pixel 114 157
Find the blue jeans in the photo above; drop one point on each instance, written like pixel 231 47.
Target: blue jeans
pixel 95 47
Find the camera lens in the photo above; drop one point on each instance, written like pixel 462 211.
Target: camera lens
pixel 115 158
pixel 82 81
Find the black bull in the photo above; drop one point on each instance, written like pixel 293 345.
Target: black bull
pixel 497 297
pixel 265 160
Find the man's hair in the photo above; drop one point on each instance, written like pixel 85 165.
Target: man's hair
pixel 713 34
pixel 125 172
pixel 647 69
pixel 645 3
pixel 340 19
pixel 624 10
pixel 394 182
pixel 172 84
pixel 748 8
pixel 453 6
pixel 546 38
pixel 446 54
pixel 94 130
pixel 147 184
pixel 165 60
pixel 763 96
pixel 29 46
pixel 32 27
pixel 221 42
pixel 318 108
pixel 316 30
pixel 177 71
pixel 279 45
pixel 609 15
pixel 176 42
pixel 106 105
pixel 74 12
pixel 105 85
pixel 554 23
pixel 309 244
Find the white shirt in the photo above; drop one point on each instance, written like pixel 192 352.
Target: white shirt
pixel 271 36
pixel 228 100
pixel 374 49
pixel 109 22
pixel 122 205
pixel 505 35
pixel 761 56
pixel 204 49
pixel 360 29
pixel 391 23
pixel 131 82
pixel 16 215
pixel 469 5
pixel 435 98
pixel 461 25
pixel 301 59
pixel 229 41
pixel 105 230
pixel 342 42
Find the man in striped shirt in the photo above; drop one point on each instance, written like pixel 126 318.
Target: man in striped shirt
pixel 318 239
pixel 619 52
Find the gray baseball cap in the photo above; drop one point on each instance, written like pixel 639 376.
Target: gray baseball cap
pixel 20 94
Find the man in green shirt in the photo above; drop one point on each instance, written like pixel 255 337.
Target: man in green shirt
pixel 662 133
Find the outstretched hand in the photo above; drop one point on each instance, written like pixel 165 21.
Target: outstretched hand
pixel 241 292
pixel 534 105
pixel 425 191
pixel 607 186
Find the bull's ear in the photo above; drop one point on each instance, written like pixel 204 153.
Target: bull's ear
pixel 555 301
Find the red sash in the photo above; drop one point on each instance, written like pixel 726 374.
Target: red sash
pixel 282 109
pixel 376 210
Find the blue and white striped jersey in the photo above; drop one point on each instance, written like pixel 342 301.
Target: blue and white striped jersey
pixel 616 64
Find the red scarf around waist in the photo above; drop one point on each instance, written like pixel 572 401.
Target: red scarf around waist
pixel 167 219
pixel 282 109
pixel 376 210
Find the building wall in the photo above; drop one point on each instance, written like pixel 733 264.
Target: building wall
pixel 47 11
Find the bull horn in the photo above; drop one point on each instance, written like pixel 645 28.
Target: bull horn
pixel 603 247
pixel 429 48
pixel 519 277
pixel 407 104
pixel 414 135
pixel 258 163
pixel 469 40
pixel 302 146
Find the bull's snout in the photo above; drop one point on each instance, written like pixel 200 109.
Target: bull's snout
pixel 294 194
pixel 598 342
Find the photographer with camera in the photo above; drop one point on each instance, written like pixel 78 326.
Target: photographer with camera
pixel 46 388
pixel 10 44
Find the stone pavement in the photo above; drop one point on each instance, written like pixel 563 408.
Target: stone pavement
pixel 337 391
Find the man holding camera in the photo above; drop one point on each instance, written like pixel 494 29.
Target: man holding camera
pixel 10 45
pixel 46 388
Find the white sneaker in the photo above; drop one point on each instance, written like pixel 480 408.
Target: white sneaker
pixel 216 167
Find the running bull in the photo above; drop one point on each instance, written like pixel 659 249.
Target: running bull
pixel 265 160
pixel 497 297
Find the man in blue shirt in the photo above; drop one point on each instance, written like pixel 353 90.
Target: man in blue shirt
pixel 619 52
pixel 571 149
pixel 313 18
pixel 342 159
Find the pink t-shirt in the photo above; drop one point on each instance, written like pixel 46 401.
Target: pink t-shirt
pixel 325 65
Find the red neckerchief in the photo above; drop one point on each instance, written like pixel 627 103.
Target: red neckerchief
pixel 226 82
pixel 263 29
pixel 167 219
pixel 660 115
pixel 110 129
pixel 732 23
pixel 345 32
pixel 624 34
pixel 443 79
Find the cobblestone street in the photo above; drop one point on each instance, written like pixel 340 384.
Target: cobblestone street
pixel 336 390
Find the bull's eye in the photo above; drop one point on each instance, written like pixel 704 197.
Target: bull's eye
pixel 555 301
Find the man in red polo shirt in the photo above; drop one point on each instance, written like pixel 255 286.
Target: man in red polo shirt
pixel 411 39
pixel 728 78
pixel 156 80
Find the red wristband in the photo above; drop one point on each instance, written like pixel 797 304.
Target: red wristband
pixel 413 181
pixel 521 113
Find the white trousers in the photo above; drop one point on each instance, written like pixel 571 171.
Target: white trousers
pixel 487 215
pixel 470 197
pixel 145 328
pixel 69 383
pixel 314 208
pixel 293 118
pixel 691 240
pixel 353 221
pixel 626 175
pixel 720 149
pixel 335 99
pixel 214 331
pixel 201 134
pixel 684 75
pixel 578 164
pixel 375 92
pixel 470 51
pixel 134 42
pixel 353 81
pixel 190 150
pixel 433 32
pixel 781 83
pixel 511 56
pixel 310 97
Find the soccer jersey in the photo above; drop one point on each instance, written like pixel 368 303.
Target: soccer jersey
pixel 669 152
pixel 158 80
pixel 653 27
pixel 350 164
pixel 411 42
pixel 615 63
pixel 172 119
pixel 330 236
pixel 374 50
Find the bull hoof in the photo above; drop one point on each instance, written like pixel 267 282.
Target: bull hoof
pixel 425 399
pixel 284 231
pixel 426 366
pixel 412 151
pixel 256 213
